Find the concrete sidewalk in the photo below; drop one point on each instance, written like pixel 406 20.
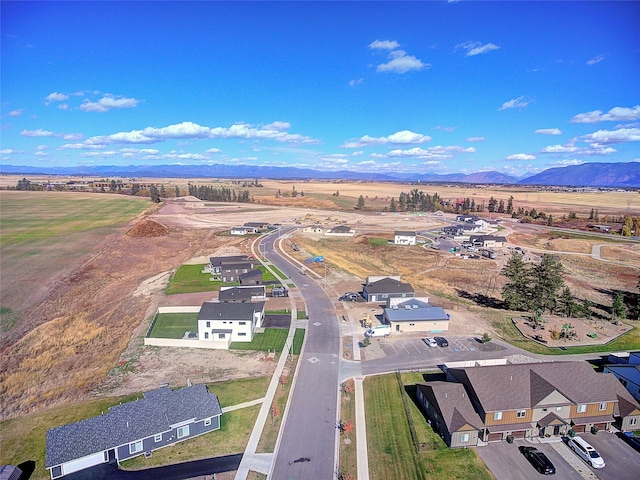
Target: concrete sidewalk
pixel 361 431
pixel 255 461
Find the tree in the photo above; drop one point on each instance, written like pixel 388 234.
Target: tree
pixel 393 207
pixel 501 206
pixel 586 309
pixel 517 289
pixel 360 204
pixel 548 282
pixel 510 205
pixel 113 186
pixel 177 191
pixel 153 192
pixel 135 188
pixel 485 337
pixel 347 428
pixel 566 303
pixel 618 307
pixel 163 192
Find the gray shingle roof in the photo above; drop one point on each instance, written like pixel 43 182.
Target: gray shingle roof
pixel 508 387
pixel 389 285
pixel 131 421
pixel 452 401
pixel 217 261
pixel 229 311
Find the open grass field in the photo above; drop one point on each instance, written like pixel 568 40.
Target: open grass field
pixel 390 447
pixel 190 279
pixel 45 234
pixel 174 325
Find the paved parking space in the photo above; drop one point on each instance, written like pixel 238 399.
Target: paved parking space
pixel 507 463
pixel 411 346
pixel 621 461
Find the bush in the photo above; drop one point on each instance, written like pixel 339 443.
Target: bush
pixel 594 429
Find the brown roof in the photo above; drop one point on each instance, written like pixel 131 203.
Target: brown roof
pixel 452 401
pixel 551 419
pixel 508 387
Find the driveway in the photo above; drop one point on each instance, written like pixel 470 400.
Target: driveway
pixel 507 463
pixel 621 461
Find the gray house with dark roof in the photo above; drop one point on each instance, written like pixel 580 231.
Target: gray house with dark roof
pixel 450 412
pixel 385 288
pixel 161 418
pixel 252 277
pixel 242 294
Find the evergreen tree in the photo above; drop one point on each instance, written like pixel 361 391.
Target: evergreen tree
pixel 548 281
pixel 566 303
pixel 360 204
pixel 135 188
pixel 510 205
pixel 501 206
pixel 517 290
pixel 618 308
pixel 153 193
pixel 394 207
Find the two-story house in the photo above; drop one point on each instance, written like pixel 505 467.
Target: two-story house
pixel 228 322
pixel 230 268
pixel 536 399
pixel 404 238
pixel 385 288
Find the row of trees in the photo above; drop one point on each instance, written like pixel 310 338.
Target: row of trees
pixel 219 194
pixel 540 288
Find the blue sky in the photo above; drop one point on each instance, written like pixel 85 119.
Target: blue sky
pixel 423 87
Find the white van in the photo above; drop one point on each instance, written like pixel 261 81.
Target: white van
pixel 379 331
pixel 586 451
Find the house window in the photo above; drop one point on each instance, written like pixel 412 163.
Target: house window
pixel 242 334
pixel 464 437
pixel 242 323
pixel 497 416
pixel 183 431
pixel 135 447
pixel 208 324
pixel 206 335
pixel 603 406
pixel 221 336
pixel 582 408
pixel 207 422
pixel 521 413
pixel 157 438
pixel 633 421
pixel 56 472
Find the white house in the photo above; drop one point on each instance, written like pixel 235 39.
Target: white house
pixel 229 322
pixel 404 238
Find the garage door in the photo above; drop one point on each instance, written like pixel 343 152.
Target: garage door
pixel 601 426
pixel 579 428
pixel 495 437
pixel 519 434
pixel 84 462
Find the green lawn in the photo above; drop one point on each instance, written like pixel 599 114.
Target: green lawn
pixel 174 325
pixel 190 279
pixel 273 339
pixel 234 392
pixel 391 448
pixel 378 242
pixel 298 339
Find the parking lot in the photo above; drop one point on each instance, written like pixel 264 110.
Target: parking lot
pixel 621 461
pixel 409 346
pixel 507 463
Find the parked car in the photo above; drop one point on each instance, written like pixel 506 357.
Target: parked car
pixel 441 341
pixel 538 460
pixel 349 297
pixel 430 342
pixel 586 451
pixel 631 439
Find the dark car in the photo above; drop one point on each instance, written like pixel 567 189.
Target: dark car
pixel 441 341
pixel 349 297
pixel 538 460
pixel 631 439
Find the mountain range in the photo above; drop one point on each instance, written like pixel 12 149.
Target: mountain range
pixel 624 174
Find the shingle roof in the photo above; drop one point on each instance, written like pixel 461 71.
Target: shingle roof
pixel 217 261
pixel 234 294
pixel 229 311
pixel 419 313
pixel 507 387
pixel 405 233
pixel 389 285
pixel 250 274
pixel 128 422
pixel 452 401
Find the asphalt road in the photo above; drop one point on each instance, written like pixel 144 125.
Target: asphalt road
pixel 307 443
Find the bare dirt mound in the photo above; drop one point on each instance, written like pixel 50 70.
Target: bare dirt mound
pixel 148 228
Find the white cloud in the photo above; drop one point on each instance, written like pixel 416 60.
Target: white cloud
pixel 564 163
pixel 353 83
pixel 55 97
pixel 72 136
pixel 384 44
pixel 621 135
pixel 439 152
pixel 549 131
pixel 401 137
pixel 190 130
pixel 63 106
pixel 212 150
pixel 476 48
pixel 16 113
pixel 444 129
pixel 108 102
pixel 520 157
pixel 519 102
pixel 595 60
pixel 476 139
pixel 560 149
pixel 40 153
pixel 8 151
pixel 36 133
pixel 42 147
pixel 616 114
pixel 401 63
